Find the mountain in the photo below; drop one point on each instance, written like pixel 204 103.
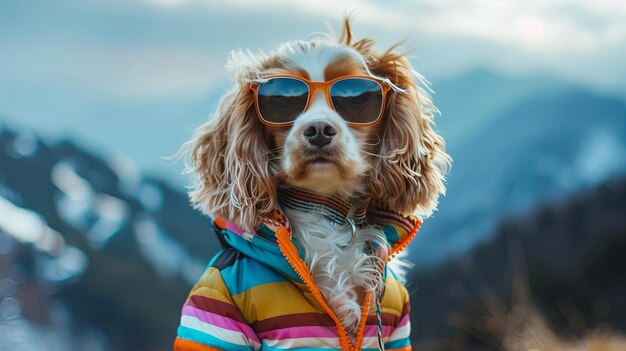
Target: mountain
pixel 141 243
pixel 134 246
pixel 538 150
pixel 144 130
pixel 470 101
pixel 481 110
pixel 564 260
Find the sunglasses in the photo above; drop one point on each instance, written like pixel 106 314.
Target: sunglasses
pixel 359 100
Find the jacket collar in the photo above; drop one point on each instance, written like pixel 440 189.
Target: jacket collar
pixel 262 245
pixel 335 209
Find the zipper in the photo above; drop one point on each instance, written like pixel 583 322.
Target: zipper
pixel 290 252
pixel 358 340
pixel 300 267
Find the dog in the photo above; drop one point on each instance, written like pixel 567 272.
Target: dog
pixel 317 168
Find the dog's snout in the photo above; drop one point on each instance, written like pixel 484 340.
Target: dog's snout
pixel 319 133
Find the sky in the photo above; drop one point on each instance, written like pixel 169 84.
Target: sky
pixel 134 78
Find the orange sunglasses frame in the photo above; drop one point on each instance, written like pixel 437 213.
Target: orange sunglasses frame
pixel 325 87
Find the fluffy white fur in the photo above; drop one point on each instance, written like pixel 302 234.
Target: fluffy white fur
pixel 340 268
pixel 241 165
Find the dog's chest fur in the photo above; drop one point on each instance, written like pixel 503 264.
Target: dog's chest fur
pixel 342 271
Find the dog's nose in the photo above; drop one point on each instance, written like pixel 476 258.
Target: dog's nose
pixel 319 133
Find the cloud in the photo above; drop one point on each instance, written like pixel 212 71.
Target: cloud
pixel 117 73
pixel 154 48
pixel 103 71
pixel 577 40
pixel 553 25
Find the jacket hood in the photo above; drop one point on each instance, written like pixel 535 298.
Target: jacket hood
pixel 262 245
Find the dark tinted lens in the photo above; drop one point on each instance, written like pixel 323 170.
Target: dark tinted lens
pixel 281 100
pixel 357 100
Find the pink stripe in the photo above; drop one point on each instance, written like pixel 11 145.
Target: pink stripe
pixel 299 332
pixel 403 321
pixel 372 330
pixel 220 321
pixel 230 225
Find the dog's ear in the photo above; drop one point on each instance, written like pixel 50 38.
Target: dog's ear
pixel 231 161
pixel 409 174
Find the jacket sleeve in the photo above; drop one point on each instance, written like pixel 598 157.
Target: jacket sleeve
pixel 211 321
pixel 399 337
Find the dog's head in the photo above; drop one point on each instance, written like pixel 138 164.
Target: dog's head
pixel 257 143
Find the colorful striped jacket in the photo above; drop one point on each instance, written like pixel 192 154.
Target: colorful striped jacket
pixel 260 295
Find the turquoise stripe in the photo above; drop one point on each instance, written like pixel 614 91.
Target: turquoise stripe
pixel 391 272
pixel 209 340
pixel 398 344
pixel 391 234
pixel 246 274
pixel 268 253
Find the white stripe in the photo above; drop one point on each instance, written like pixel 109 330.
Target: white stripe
pixel 400 333
pixel 230 336
pixel 370 342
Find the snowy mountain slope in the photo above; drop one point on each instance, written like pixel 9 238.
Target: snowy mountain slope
pixel 538 150
pixel 143 244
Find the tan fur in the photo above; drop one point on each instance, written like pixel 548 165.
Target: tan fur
pixel 240 164
pixel 229 156
pixel 408 177
pixel 238 174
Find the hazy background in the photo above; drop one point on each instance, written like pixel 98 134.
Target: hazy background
pixel 98 246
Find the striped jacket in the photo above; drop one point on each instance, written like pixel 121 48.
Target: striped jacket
pixel 259 294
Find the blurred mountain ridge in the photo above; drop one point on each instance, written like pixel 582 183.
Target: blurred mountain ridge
pixel 566 256
pixel 470 101
pixel 143 244
pixel 540 149
pixel 147 130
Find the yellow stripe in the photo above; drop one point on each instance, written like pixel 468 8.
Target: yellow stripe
pixel 212 285
pixel 402 233
pixel 290 252
pixel 274 299
pixel 394 298
pixel 403 243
